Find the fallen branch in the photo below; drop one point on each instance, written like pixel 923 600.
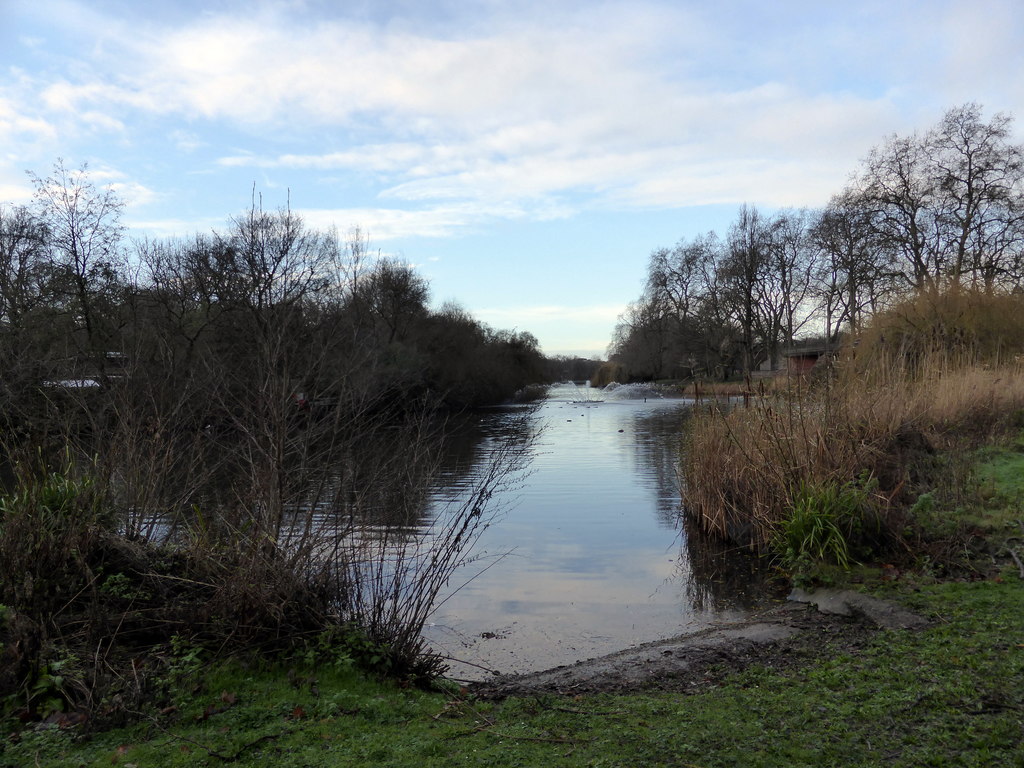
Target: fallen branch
pixel 209 750
pixel 488 726
pixel 540 739
pixel 176 737
pixel 572 711
pixel 1017 560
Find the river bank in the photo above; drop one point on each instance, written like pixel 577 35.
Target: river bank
pixel 777 637
pixel 947 694
pixel 805 688
pixel 838 692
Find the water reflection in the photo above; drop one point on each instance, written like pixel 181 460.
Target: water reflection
pixel 589 555
pixel 721 576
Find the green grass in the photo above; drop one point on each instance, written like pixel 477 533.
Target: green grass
pixel 951 694
pixel 999 474
pixel 947 695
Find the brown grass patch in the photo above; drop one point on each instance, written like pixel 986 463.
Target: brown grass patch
pixel 927 377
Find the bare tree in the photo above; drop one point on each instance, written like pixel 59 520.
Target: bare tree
pixel 850 279
pixel 793 264
pixel 641 339
pixel 677 277
pixel 947 205
pixel 23 264
pixel 898 192
pixel 979 176
pixel 753 299
pixel 680 284
pixel 83 228
pixel 395 297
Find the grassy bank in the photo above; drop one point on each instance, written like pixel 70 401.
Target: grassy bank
pixel 949 694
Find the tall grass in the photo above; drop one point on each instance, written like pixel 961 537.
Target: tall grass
pixel 924 377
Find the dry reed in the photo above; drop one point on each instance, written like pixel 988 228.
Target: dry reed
pixel 878 424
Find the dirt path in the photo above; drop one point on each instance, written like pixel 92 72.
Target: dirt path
pixel 788 634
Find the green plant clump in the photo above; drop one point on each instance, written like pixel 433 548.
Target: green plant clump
pixel 824 519
pixel 46 527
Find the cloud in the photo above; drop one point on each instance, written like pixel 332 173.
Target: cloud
pixel 172 228
pixel 382 224
pixel 133 193
pixel 470 116
pixel 19 194
pixel 17 125
pixel 372 157
pixel 186 141
pixel 983 44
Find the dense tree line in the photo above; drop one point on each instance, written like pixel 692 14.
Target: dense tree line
pixel 253 416
pixel 249 364
pixel 933 212
pixel 216 312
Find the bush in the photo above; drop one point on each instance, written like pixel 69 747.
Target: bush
pixel 827 525
pixel 48 528
pixel 943 331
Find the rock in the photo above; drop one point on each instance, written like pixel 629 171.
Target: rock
pixel 844 602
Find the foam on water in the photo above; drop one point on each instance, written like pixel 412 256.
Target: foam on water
pixel 616 391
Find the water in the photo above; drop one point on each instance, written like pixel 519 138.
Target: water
pixel 587 555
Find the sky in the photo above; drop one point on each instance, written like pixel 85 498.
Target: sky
pixel 525 157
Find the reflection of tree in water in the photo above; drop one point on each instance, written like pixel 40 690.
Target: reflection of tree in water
pixel 658 437
pixel 377 477
pixel 390 480
pixel 397 482
pixel 721 576
pixel 470 439
pixel 718 576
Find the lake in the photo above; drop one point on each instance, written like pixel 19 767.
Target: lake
pixel 588 554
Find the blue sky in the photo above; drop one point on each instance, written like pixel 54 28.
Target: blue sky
pixel 526 156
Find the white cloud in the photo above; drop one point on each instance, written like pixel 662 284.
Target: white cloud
pixel 983 44
pixel 18 126
pixel 18 194
pixel 186 141
pixel 133 193
pixel 381 224
pixel 172 227
pixel 372 157
pixel 535 114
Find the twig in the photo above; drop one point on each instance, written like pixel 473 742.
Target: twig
pixel 1017 560
pixel 181 578
pixel 541 739
pixel 470 664
pixel 212 752
pixel 176 737
pixel 572 711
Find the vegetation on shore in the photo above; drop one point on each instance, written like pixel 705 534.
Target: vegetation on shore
pixel 223 443
pixel 948 694
pixel 850 466
pixel 945 694
pixel 928 212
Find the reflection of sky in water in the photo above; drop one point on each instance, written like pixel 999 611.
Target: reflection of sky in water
pixel 593 561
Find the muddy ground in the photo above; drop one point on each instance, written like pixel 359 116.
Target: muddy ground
pixel 793 633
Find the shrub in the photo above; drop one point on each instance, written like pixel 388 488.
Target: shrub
pixel 48 528
pixel 825 523
pixel 943 331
